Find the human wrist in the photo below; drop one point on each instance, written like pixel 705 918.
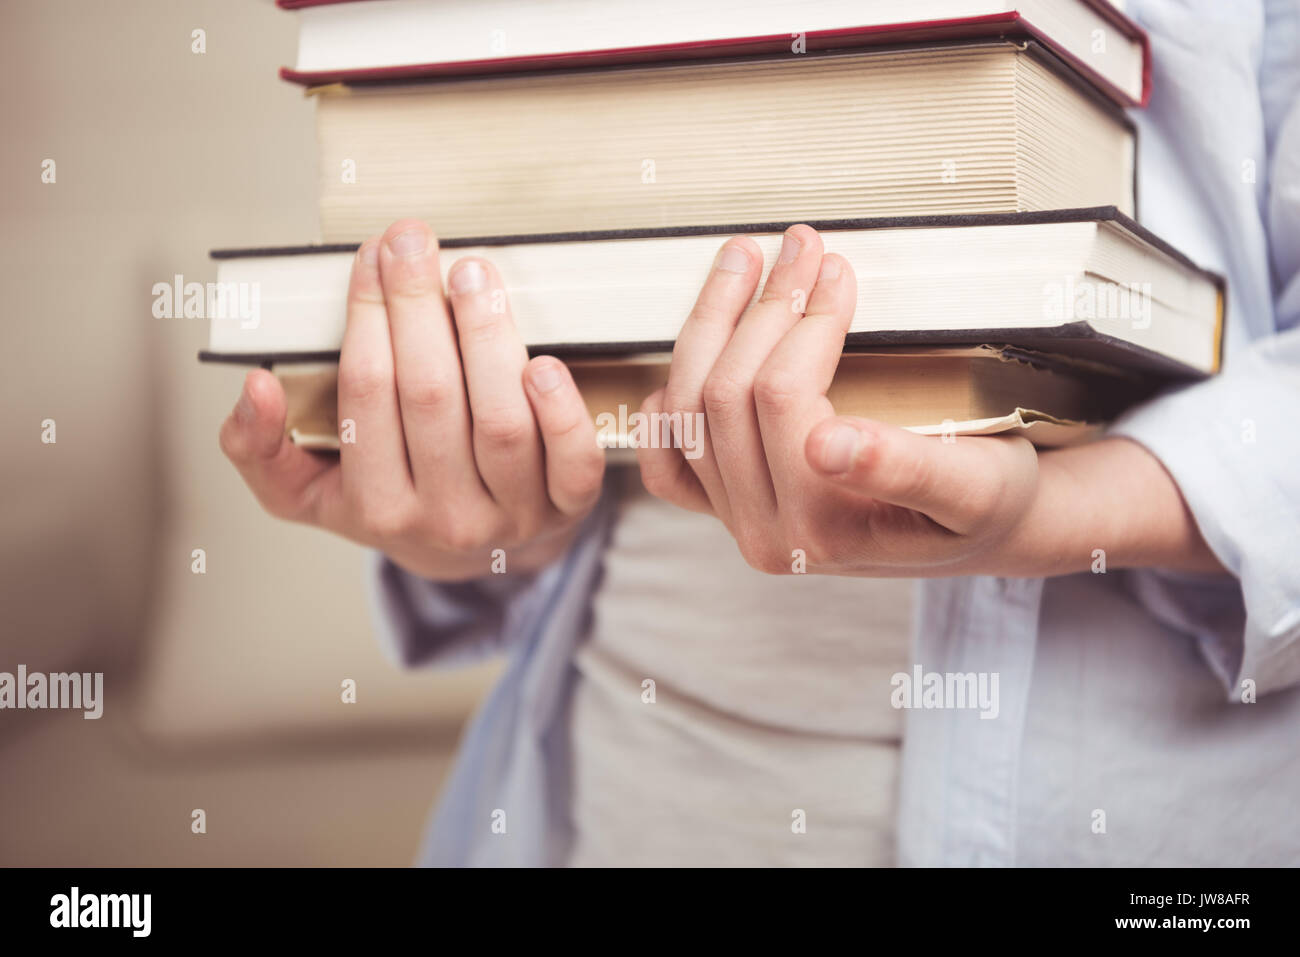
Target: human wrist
pixel 1106 505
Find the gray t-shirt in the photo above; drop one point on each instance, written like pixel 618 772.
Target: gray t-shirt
pixel 767 737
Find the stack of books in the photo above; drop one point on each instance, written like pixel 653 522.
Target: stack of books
pixel 970 158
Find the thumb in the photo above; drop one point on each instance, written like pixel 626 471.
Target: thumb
pixel 961 485
pixel 290 482
pixel 255 427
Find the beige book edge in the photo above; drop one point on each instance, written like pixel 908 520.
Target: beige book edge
pixel 914 397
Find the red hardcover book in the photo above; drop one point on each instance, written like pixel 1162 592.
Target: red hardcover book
pixel 368 41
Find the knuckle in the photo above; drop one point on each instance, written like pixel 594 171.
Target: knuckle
pixel 761 554
pixel 363 295
pixel 504 427
pixel 675 400
pixel 365 378
pixel 725 395
pixel 428 392
pixel 365 291
pixel 654 402
pixel 568 423
pixel 411 287
pixel 664 479
pixel 580 482
pixel 464 534
pixel 771 563
pixel 775 386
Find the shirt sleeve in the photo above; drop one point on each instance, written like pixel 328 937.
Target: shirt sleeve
pixel 1232 444
pixel 425 623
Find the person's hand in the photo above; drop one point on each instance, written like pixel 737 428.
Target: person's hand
pixel 462 444
pixel 802 489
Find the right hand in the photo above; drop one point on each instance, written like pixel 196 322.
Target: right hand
pixel 463 445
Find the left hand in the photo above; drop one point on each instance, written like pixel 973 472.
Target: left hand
pixel 785 474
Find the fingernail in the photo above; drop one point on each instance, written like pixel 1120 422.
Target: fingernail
pixel 468 277
pixel 546 377
pixel 789 250
pixel 244 407
pixel 830 269
pixel 840 449
pixel 734 259
pixel 368 254
pixel 410 243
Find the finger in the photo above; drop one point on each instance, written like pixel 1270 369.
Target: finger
pixel 575 464
pixel 664 471
pixel 703 337
pixel 507 446
pixel 729 392
pixel 790 388
pixel 289 482
pixel 960 485
pixel 373 453
pixel 430 384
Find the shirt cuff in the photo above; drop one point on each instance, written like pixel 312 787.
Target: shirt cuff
pixel 421 622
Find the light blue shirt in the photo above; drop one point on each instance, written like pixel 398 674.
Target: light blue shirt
pixel 1123 737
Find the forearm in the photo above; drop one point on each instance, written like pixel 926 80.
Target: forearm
pixel 1108 501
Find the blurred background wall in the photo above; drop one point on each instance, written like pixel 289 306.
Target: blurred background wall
pixel 222 689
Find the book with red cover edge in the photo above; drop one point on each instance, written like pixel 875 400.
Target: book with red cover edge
pixel 1009 24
